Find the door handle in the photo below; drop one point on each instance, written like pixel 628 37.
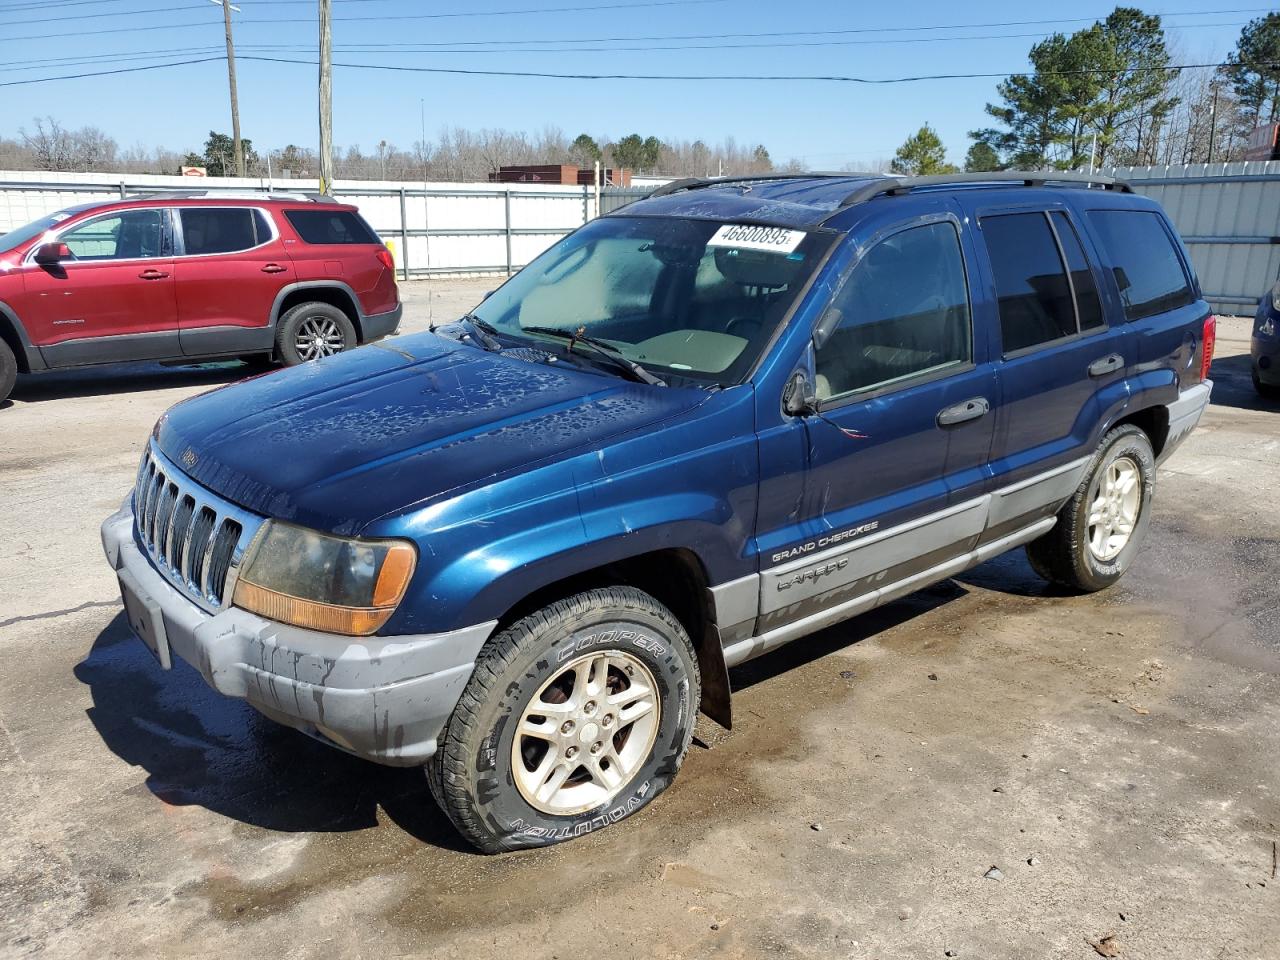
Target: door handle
pixel 1104 365
pixel 274 268
pixel 153 275
pixel 964 411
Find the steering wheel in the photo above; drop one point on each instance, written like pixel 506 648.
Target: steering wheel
pixel 751 322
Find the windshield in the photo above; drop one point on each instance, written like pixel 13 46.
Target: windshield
pixel 15 238
pixel 693 299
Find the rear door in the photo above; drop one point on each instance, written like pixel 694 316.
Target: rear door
pixel 231 266
pixel 896 456
pixel 1155 288
pixel 114 300
pixel 1061 363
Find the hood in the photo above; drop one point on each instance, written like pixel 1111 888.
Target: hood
pixel 336 443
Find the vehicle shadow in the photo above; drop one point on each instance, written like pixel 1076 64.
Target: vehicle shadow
pixel 127 378
pixel 199 747
pixel 1233 385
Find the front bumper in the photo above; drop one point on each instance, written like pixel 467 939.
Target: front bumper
pixel 1184 414
pixel 382 698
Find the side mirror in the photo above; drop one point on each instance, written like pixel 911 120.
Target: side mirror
pixel 798 399
pixel 487 295
pixel 51 253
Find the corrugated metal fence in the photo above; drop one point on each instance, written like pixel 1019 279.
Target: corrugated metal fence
pixel 1229 218
pixel 433 228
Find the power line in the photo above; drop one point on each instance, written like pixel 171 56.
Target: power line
pixel 616 39
pixel 813 78
pixel 705 46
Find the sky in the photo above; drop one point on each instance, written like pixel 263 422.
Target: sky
pixel 826 125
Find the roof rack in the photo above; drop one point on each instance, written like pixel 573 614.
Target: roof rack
pixel 229 193
pixel 894 186
pixel 699 183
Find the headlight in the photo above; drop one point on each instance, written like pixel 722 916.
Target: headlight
pixel 322 582
pixel 1275 296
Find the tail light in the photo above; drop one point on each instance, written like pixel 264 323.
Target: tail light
pixel 385 258
pixel 1209 338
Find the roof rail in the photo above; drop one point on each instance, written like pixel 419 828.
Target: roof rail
pixel 699 183
pixel 228 193
pixel 893 186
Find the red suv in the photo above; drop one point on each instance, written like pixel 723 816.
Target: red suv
pixel 192 277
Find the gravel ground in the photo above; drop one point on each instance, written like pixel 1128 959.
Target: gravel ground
pixel 1113 756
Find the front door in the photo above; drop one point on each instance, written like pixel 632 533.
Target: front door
pixel 231 269
pixel 113 300
pixel 895 455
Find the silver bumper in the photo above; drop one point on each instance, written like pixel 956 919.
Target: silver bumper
pixel 1184 414
pixel 382 698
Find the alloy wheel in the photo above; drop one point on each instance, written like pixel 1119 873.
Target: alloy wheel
pixel 1115 502
pixel 319 337
pixel 585 733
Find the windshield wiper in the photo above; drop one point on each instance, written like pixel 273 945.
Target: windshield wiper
pixel 481 331
pixel 603 349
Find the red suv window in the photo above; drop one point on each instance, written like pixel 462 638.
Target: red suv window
pixel 330 226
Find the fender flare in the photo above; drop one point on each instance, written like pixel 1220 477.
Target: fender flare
pixel 339 285
pixel 28 354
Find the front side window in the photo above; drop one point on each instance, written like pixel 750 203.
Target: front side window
pixel 1147 267
pixel 208 230
pixel 689 299
pixel 127 235
pixel 904 312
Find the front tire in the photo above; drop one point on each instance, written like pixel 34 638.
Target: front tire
pixel 1102 527
pixel 311 331
pixel 8 371
pixel 574 718
pixel 1266 391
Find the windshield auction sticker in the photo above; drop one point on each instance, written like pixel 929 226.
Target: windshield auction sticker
pixel 745 236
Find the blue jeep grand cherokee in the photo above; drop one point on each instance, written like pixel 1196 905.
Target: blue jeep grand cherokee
pixel 522 550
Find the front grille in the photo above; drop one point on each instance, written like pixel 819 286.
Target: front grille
pixel 193 537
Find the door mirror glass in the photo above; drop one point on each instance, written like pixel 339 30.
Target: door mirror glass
pixel 48 253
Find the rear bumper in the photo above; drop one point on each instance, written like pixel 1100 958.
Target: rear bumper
pixel 382 698
pixel 1184 414
pixel 375 326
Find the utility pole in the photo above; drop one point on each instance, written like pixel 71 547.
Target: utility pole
pixel 326 97
pixel 227 7
pixel 1213 123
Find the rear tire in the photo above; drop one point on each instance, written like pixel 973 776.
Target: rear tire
pixel 1266 391
pixel 312 331
pixel 1101 528
pixel 574 718
pixel 8 371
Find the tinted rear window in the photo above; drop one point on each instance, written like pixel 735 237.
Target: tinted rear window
pixel 1034 294
pixel 330 226
pixel 208 230
pixel 1147 267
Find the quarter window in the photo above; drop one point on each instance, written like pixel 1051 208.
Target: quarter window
pixel 1146 264
pixel 903 312
pixel 330 226
pixel 127 235
pixel 208 230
